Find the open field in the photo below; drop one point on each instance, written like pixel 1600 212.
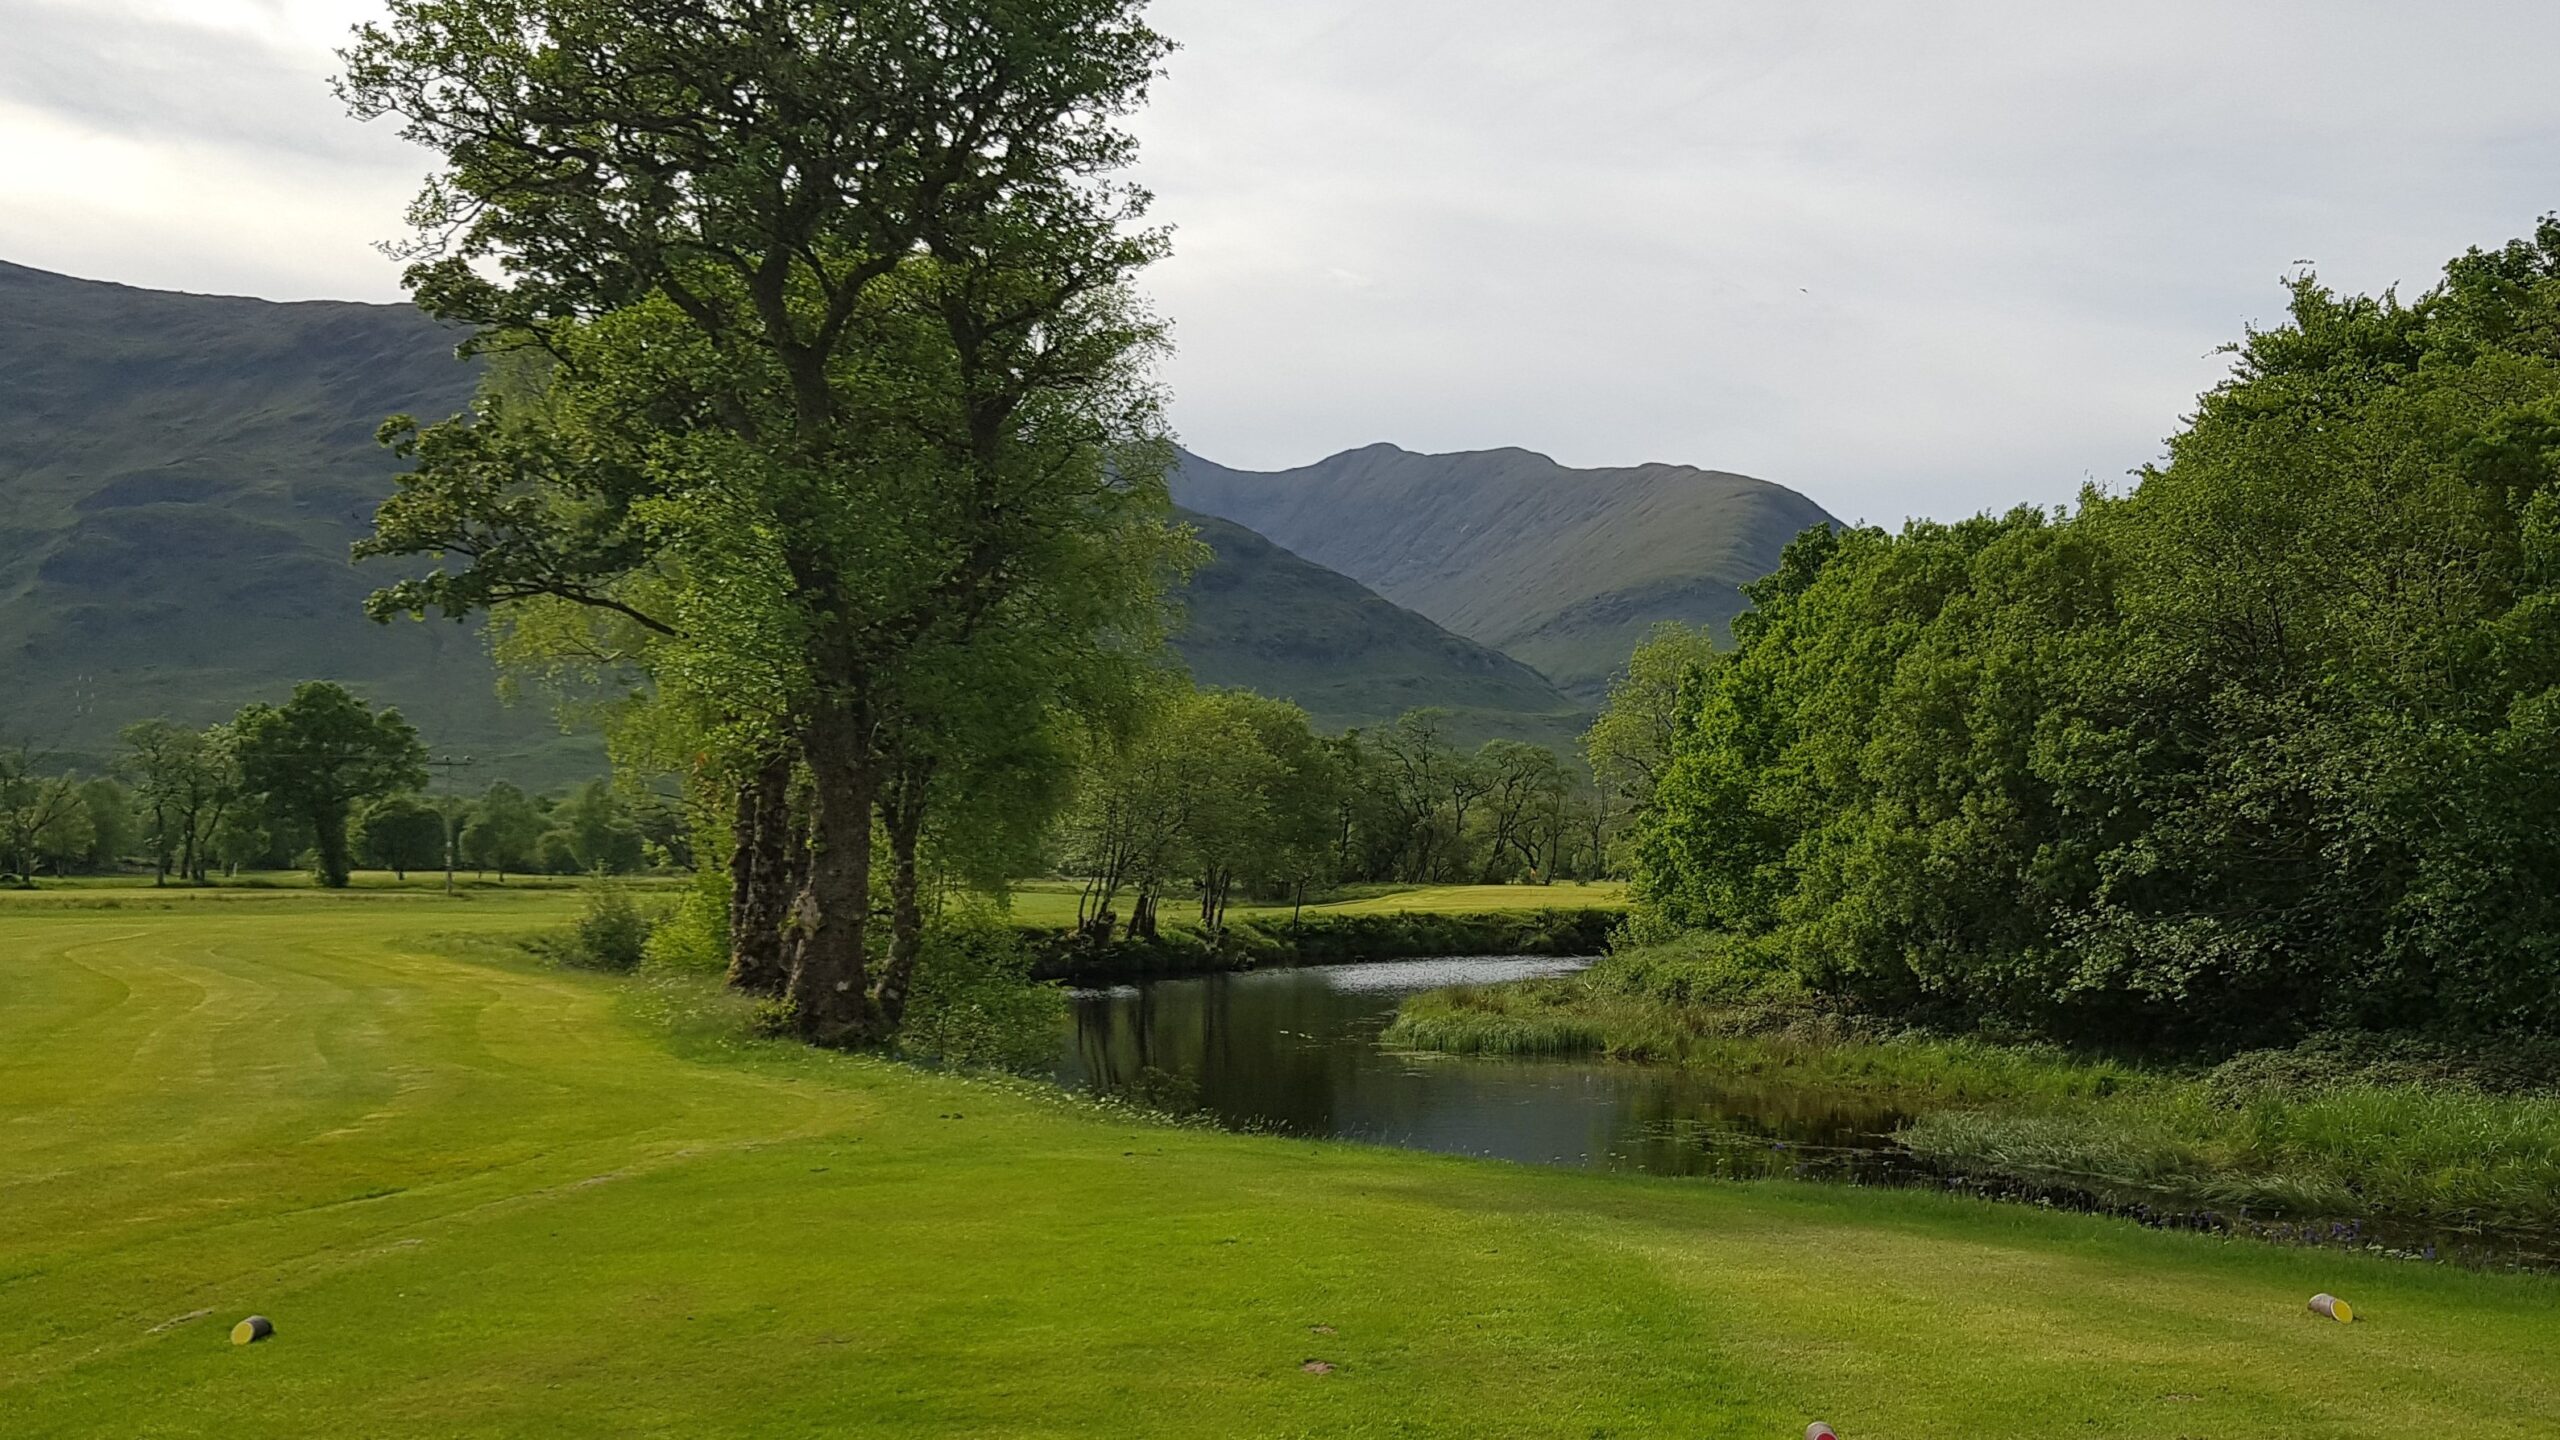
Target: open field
pixel 480 1197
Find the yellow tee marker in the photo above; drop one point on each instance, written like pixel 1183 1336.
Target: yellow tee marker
pixel 252 1330
pixel 2330 1307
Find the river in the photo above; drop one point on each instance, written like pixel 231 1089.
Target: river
pixel 1295 1052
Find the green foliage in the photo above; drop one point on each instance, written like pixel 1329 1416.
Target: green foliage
pixel 598 831
pixel 114 829
pixel 2349 1146
pixel 1326 937
pixel 556 853
pixel 852 446
pixel 315 757
pixel 2265 747
pixel 400 833
pixel 1631 744
pixel 693 938
pixel 44 819
pixel 975 1003
pixel 504 832
pixel 613 931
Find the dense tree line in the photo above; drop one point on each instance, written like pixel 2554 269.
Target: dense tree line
pixel 1214 794
pixel 2270 743
pixel 321 782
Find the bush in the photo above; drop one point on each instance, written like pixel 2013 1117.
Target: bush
pixel 1702 969
pixel 694 936
pixel 974 1002
pixel 614 932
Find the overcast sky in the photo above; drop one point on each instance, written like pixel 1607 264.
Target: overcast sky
pixel 1909 259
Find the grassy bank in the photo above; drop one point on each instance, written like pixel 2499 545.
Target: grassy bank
pixel 1324 937
pixel 480 1197
pixel 2374 1129
pixel 1051 904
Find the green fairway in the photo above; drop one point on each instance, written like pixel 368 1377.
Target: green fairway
pixel 483 1198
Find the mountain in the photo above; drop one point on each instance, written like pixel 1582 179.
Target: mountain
pixel 1266 619
pixel 181 476
pixel 1563 569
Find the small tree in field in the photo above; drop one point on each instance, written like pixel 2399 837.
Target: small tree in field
pixel 400 833
pixel 321 754
pixel 503 831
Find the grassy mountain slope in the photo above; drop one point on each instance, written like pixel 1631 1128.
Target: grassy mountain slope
pixel 1265 618
pixel 1564 569
pixel 180 477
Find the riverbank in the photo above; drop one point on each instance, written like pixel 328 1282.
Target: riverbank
pixel 1321 937
pixel 2398 1131
pixel 482 1197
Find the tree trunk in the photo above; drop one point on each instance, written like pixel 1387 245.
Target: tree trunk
pixel 761 880
pixel 329 837
pixel 904 811
pixel 830 921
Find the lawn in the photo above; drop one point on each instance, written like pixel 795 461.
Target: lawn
pixel 483 1198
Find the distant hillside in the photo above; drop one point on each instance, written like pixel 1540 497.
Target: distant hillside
pixel 1264 618
pixel 1564 569
pixel 180 477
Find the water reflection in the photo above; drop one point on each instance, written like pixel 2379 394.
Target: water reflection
pixel 1295 1051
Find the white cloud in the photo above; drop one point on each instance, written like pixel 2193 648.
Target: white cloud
pixel 1910 259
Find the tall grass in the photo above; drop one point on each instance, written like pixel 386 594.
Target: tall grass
pixel 2438 1153
pixel 2338 1125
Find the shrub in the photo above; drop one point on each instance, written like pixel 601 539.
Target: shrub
pixel 974 1002
pixel 694 936
pixel 614 932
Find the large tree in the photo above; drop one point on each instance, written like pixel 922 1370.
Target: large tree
pixel 820 269
pixel 318 755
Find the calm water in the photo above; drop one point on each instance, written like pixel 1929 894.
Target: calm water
pixel 1295 1052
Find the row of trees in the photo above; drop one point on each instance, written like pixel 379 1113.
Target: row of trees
pixel 1212 794
pixel 2270 743
pixel 320 776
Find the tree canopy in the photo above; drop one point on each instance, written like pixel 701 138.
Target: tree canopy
pixel 2265 745
pixel 318 755
pixel 843 394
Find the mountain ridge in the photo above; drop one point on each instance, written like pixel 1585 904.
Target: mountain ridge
pixel 181 475
pixel 1561 568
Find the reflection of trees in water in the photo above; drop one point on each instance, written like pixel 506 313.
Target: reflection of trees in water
pixel 1288 1050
